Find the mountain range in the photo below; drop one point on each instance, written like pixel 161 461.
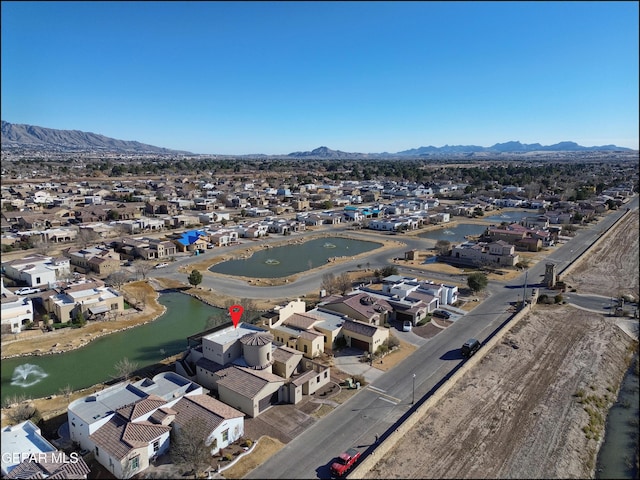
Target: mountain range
pixel 32 137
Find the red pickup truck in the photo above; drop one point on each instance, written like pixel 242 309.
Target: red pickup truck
pixel 345 461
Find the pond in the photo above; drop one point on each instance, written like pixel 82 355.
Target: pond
pixel 454 234
pixel 278 262
pixel 510 217
pixel 41 376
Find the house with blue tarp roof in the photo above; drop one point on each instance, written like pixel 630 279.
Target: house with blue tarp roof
pixel 192 240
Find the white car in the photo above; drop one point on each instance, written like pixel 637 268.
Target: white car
pixel 406 326
pixel 27 290
pixel 161 265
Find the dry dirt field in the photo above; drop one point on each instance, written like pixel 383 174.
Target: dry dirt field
pixel 536 411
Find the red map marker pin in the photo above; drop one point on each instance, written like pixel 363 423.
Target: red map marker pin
pixel 236 313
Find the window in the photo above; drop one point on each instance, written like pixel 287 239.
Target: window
pixel 134 463
pixel 305 349
pixel 225 435
pixel 326 373
pixel 97 451
pixel 156 446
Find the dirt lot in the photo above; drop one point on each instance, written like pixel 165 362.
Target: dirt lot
pixel 536 411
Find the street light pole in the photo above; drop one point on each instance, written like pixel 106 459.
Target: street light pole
pixel 413 396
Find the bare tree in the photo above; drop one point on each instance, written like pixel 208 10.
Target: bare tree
pixel 66 391
pixel 24 411
pixel 125 368
pixel 189 446
pixel 443 247
pixel 142 268
pixel 86 237
pixel 343 283
pixel 329 283
pixel 117 279
pixel 43 247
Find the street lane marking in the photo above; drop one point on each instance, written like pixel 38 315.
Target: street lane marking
pixel 382 398
pixel 393 400
pixel 376 389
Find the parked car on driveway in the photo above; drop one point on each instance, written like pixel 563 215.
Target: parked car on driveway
pixel 27 290
pixel 406 326
pixel 441 314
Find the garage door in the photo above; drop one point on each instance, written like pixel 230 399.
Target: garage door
pixel 266 402
pixel 401 317
pixel 361 344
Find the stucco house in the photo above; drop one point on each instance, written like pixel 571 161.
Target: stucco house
pixel 247 369
pixel 17 312
pixel 128 424
pixel 36 270
pixel 91 297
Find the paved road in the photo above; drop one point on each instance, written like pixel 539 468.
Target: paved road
pixel 376 408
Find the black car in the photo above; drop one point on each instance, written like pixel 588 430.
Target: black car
pixel 441 314
pixel 470 347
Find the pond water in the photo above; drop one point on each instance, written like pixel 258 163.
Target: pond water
pixel 618 454
pixel 510 217
pixel 40 376
pixel 288 260
pixel 454 234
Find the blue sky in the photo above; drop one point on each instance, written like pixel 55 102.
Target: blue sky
pixel 278 77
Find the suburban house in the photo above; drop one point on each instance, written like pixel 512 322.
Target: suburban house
pixel 100 259
pixel 364 336
pixel 92 298
pixel 37 270
pixel 146 248
pixel 316 331
pixel 126 426
pixel 497 254
pixel 17 312
pixel 361 307
pixel 27 454
pixel 244 368
pixel 192 241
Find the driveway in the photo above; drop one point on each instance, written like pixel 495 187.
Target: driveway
pixel 348 360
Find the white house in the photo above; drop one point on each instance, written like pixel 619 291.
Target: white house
pixel 37 270
pixel 16 313
pixel 127 425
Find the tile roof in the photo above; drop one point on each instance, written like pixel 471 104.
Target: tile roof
pixel 359 327
pixel 141 407
pixel 245 382
pixel 284 353
pixel 118 436
pixel 257 338
pixel 302 321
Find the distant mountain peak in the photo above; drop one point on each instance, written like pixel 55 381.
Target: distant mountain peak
pixel 33 137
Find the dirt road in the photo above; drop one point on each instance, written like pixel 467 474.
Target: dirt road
pixel 538 410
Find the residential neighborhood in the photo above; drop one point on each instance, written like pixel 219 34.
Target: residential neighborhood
pixel 83 242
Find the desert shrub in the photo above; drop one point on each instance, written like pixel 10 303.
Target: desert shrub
pixel 393 342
